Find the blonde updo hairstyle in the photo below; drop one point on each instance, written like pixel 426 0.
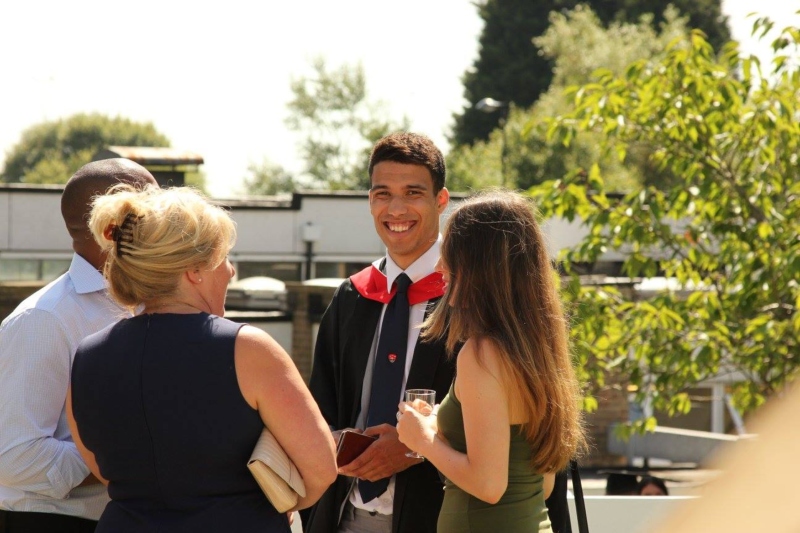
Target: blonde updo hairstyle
pixel 152 236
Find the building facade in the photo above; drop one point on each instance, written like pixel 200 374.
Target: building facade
pixel 292 238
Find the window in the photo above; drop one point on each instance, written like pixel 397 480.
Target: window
pixel 32 269
pixel 281 271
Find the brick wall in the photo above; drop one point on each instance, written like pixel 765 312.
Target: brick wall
pixel 612 408
pixel 306 304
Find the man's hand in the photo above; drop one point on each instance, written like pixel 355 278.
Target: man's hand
pixel 384 457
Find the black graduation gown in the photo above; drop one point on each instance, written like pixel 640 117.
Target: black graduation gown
pixel 340 360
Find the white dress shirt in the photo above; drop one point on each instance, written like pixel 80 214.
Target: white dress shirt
pixel 423 266
pixel 40 467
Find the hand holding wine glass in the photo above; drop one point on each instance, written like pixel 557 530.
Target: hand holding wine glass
pixel 422 402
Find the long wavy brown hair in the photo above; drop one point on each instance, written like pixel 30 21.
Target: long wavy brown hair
pixel 503 288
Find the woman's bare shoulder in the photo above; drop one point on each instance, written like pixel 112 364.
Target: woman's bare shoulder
pixel 257 349
pixel 480 355
pixel 253 338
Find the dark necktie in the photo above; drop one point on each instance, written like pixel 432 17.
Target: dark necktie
pixel 387 373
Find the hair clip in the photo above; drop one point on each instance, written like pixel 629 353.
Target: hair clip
pixel 123 234
pixel 108 233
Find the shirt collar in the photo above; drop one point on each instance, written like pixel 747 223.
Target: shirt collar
pixel 85 278
pixel 424 265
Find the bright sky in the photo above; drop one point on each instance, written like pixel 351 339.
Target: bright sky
pixel 214 77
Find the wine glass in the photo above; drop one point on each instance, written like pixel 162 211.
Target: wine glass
pixel 428 396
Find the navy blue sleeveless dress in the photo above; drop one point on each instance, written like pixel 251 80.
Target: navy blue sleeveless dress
pixel 157 401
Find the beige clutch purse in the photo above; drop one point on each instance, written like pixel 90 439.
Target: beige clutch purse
pixel 275 473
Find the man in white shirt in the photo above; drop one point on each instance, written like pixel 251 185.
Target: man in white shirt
pixel 44 484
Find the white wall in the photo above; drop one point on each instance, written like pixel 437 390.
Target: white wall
pixel 625 514
pixel 31 227
pixel 265 232
pixel 30 222
pixel 5 220
pixel 346 226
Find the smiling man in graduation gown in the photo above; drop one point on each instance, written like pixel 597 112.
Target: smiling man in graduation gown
pixel 360 373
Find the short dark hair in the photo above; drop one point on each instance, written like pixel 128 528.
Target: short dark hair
pixel 620 484
pixel 652 480
pixel 410 149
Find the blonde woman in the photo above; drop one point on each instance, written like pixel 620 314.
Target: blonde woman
pixel 167 406
pixel 511 418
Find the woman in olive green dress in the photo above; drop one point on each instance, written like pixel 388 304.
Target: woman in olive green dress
pixel 512 417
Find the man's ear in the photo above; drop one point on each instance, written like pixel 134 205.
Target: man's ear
pixel 442 199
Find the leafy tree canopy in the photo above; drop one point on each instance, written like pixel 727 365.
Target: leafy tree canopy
pixel 725 234
pixel 50 152
pixel 511 68
pixel 577 43
pixel 338 123
pixel 268 179
pixel 508 68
